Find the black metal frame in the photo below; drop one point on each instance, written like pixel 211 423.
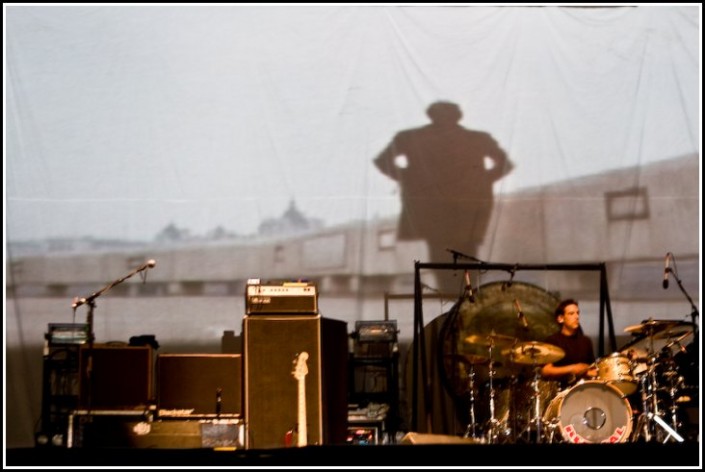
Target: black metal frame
pixel 419 346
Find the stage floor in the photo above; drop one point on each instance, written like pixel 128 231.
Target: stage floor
pixel 670 455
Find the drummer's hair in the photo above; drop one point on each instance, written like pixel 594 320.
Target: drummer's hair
pixel 560 309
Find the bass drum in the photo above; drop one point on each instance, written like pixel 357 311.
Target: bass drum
pixel 590 412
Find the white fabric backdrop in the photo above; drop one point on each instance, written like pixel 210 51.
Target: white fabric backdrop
pixel 123 120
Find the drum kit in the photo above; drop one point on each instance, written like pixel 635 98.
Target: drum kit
pixel 596 410
pixel 661 385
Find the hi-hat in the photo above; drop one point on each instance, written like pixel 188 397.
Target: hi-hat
pixel 496 340
pixel 651 327
pixel 534 352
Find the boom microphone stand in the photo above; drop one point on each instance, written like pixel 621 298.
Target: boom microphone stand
pixel 694 313
pixel 694 310
pixel 90 301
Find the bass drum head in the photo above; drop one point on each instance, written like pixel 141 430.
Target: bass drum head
pixel 592 412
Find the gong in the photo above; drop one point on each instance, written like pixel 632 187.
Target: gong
pixel 488 327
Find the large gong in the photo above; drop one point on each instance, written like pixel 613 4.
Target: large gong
pixel 477 331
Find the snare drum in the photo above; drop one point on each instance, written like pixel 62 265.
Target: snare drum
pixel 616 369
pixel 591 412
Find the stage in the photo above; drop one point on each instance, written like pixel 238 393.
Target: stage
pixel 670 455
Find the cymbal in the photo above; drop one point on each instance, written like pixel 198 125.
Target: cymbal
pixel 471 359
pixel 674 338
pixel 650 327
pixel 673 333
pixel 497 340
pixel 534 352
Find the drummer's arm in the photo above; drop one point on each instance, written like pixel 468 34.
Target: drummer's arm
pixel 578 370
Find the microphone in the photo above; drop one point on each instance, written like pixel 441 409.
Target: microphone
pixel 468 288
pixel 666 269
pixel 143 270
pixel 520 315
pixel 77 302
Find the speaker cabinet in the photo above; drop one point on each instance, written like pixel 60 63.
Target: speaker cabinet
pixel 120 431
pixel 272 344
pixel 199 385
pixel 115 377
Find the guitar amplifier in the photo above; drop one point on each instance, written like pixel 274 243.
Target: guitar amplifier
pixel 67 333
pixel 281 298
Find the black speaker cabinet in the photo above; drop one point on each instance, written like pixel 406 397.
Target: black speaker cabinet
pixel 199 385
pixel 115 377
pixel 272 344
pixel 120 431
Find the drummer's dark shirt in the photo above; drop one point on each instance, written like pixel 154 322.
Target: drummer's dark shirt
pixel 578 348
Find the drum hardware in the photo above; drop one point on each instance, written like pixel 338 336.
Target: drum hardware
pixel 652 413
pixel 471 430
pixel 493 426
pixel 492 340
pixel 471 360
pixel 664 425
pixel 535 354
pixel 676 383
pixel 672 332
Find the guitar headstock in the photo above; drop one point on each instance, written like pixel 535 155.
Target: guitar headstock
pixel 300 367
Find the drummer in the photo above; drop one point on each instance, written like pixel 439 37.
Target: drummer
pixel 579 360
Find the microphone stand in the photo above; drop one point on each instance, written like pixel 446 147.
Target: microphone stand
pixel 90 301
pixel 694 313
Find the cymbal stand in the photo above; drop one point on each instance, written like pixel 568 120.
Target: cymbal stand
pixel 535 417
pixel 644 428
pixel 470 431
pixel 675 383
pixel 493 423
pixel 650 415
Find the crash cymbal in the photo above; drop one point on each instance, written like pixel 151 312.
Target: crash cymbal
pixel 675 337
pixel 674 333
pixel 534 352
pixel 471 359
pixel 496 340
pixel 650 327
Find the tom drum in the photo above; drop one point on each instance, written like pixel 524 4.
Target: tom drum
pixel 616 369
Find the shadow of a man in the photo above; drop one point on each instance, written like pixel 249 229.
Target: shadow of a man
pixel 445 174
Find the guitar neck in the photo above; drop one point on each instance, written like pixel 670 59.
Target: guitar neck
pixel 301 426
pixel 300 371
